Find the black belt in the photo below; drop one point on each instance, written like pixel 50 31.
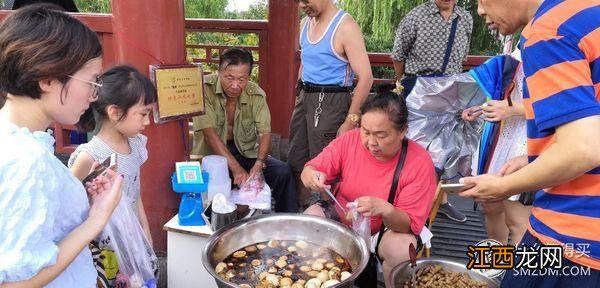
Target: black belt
pixel 315 88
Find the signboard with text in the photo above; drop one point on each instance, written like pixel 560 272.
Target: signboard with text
pixel 180 92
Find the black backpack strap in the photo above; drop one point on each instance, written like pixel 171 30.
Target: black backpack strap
pixel 450 44
pixel 393 188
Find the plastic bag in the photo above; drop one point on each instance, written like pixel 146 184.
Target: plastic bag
pixel 222 205
pixel 434 109
pixel 125 255
pixel 254 192
pixel 360 224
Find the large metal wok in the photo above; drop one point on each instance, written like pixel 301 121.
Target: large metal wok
pixel 284 226
pixel 403 272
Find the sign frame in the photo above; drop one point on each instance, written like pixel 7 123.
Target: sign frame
pixel 180 91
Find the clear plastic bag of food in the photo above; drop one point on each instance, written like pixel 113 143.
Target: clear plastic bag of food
pixel 254 192
pixel 360 224
pixel 122 253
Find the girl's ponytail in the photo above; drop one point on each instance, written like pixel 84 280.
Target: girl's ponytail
pixel 87 121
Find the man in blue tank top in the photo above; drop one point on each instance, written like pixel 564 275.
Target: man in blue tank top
pixel 333 53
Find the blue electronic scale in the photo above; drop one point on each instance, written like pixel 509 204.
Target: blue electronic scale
pixel 190 208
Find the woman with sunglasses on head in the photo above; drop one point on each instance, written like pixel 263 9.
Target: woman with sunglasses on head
pixel 47 219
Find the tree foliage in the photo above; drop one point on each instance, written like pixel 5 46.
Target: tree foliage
pixel 94 6
pixel 212 9
pixel 378 20
pixel 215 9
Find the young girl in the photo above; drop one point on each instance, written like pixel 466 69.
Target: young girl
pixel 121 113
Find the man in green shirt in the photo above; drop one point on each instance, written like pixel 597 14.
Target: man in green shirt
pixel 237 125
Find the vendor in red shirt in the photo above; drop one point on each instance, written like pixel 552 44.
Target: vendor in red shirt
pixel 363 161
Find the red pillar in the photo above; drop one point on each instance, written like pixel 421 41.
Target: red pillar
pixel 281 65
pixel 153 32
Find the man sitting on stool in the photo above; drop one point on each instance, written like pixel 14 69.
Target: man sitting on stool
pixel 237 125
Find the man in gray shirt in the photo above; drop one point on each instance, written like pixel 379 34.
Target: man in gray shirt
pixel 433 39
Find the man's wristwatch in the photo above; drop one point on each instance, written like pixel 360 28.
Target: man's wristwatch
pixel 353 118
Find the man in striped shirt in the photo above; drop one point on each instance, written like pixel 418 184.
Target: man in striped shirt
pixel 560 47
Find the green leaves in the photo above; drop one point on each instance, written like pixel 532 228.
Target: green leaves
pixel 94 6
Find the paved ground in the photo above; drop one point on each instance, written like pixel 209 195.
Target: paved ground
pixel 452 238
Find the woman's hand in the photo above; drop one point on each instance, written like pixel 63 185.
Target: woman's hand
pixel 96 186
pixel 373 206
pixel 513 165
pixel 104 197
pixel 496 110
pixel 314 179
pixel 470 114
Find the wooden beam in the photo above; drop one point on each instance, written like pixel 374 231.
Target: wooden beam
pixel 226 25
pixel 153 32
pixel 281 69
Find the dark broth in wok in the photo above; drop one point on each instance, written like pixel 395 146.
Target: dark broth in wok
pixel 297 260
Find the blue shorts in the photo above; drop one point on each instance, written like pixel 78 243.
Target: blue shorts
pixel 512 279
